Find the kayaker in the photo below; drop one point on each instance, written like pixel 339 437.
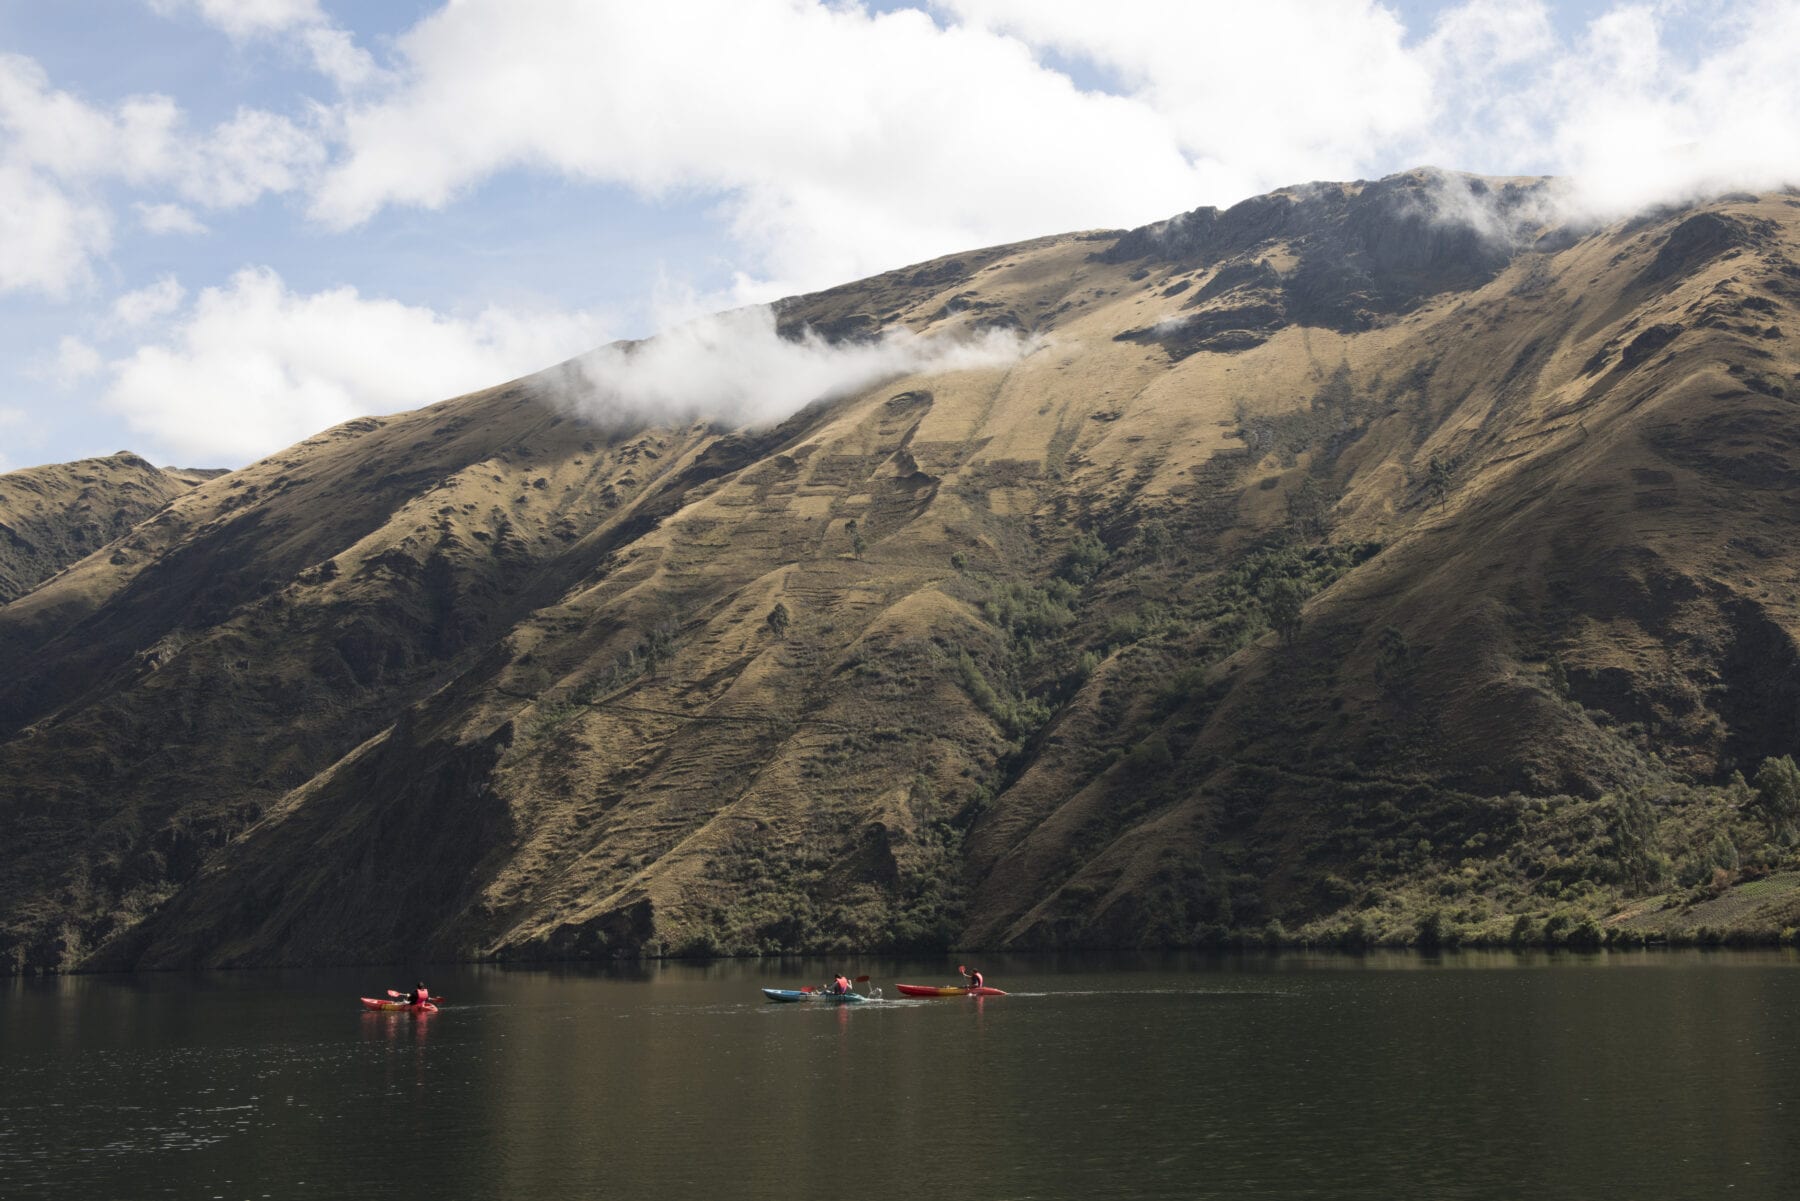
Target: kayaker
pixel 420 995
pixel 975 980
pixel 841 985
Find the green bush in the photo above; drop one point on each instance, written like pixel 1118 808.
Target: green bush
pixel 1024 610
pixel 1149 759
pixel 1017 716
pixel 1585 934
pixel 1775 800
pixel 1085 559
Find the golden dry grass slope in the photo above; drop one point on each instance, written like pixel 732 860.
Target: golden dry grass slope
pixel 981 658
pixel 51 516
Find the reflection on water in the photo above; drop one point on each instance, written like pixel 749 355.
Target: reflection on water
pixel 1475 1075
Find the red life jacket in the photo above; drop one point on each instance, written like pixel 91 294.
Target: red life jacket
pixel 841 985
pixel 421 996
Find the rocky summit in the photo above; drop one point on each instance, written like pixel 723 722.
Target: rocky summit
pixel 1370 562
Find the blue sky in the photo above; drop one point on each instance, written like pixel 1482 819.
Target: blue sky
pixel 225 224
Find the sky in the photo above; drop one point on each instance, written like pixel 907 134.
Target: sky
pixel 228 224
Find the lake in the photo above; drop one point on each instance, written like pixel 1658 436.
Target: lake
pixel 1473 1075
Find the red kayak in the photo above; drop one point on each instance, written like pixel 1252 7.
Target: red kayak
pixel 397 1006
pixel 932 990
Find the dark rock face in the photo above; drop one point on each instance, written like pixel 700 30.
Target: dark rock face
pixel 1698 240
pixel 1221 330
pixel 1648 343
pixel 1365 251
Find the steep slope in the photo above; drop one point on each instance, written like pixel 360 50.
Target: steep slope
pixel 53 515
pixel 981 657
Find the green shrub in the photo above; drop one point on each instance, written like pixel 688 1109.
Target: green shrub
pixel 1154 540
pixel 1084 560
pixel 1024 610
pixel 1432 930
pixel 1585 934
pixel 1775 800
pixel 1018 716
pixel 1149 759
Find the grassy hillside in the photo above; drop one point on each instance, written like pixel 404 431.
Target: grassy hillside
pixel 52 516
pixel 1327 569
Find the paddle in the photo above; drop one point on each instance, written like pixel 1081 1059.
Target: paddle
pixel 394 992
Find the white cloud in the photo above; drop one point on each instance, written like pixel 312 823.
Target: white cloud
pixel 253 153
pixel 1257 95
pixel 168 219
pixel 734 367
pixel 75 361
pixel 841 142
pixel 336 56
pixel 333 51
pixel 48 234
pixel 1637 125
pixel 243 19
pixel 253 365
pixel 1286 91
pixel 59 155
pixel 64 136
pixel 148 303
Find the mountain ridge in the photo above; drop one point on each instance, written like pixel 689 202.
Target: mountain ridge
pixel 992 657
pixel 55 514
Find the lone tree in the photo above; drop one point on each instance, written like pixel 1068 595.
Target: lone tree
pixel 778 620
pixel 1154 539
pixel 856 539
pixel 1085 557
pixel 1309 510
pixel 1437 480
pixel 1394 665
pixel 658 647
pixel 1636 846
pixel 1776 799
pixel 1283 603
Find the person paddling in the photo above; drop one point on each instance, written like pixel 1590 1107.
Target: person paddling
pixel 841 985
pixel 975 980
pixel 420 995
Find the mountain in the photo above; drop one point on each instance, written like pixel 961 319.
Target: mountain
pixel 51 516
pixel 1375 561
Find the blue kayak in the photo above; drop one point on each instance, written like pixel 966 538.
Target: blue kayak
pixel 794 994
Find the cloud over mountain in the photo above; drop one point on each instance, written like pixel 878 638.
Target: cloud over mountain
pixel 736 368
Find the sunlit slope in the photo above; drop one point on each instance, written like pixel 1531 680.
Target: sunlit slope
pixel 1597 598
pixel 977 658
pixel 52 516
pixel 271 620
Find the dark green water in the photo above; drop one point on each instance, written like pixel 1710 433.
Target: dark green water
pixel 1480 1075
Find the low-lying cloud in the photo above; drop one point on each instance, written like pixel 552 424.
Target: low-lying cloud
pixel 1512 218
pixel 736 369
